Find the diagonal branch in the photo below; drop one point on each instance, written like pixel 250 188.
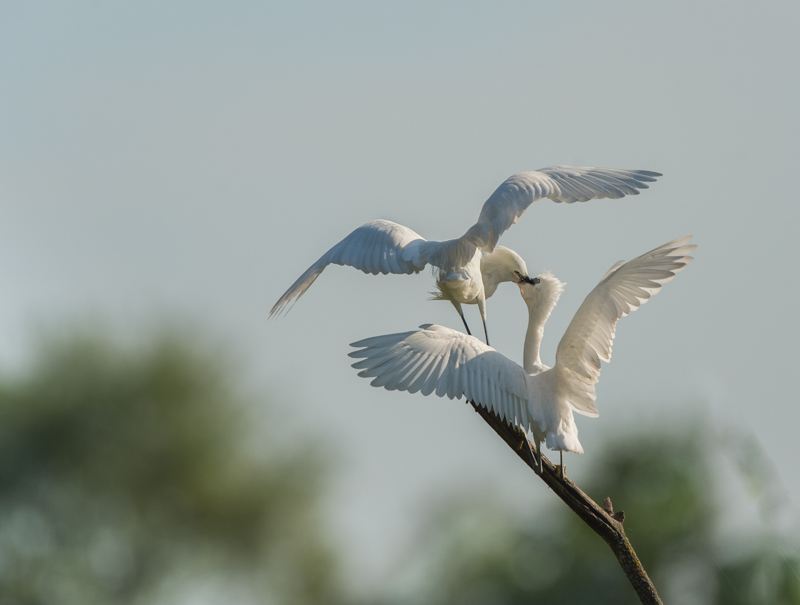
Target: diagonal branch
pixel 603 522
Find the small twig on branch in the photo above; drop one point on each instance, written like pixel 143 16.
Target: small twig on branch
pixel 603 521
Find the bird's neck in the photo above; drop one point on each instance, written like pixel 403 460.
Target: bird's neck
pixel 490 283
pixel 537 316
pixel 492 275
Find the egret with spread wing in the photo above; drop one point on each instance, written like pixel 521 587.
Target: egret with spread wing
pixel 539 398
pixel 469 269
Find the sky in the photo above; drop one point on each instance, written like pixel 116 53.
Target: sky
pixel 190 160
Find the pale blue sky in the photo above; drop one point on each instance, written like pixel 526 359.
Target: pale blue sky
pixel 194 158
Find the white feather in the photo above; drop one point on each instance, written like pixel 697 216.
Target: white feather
pixel 540 399
pixel 383 246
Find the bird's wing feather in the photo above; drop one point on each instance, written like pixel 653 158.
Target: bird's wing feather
pixel 376 247
pixel 590 334
pixel 447 256
pixel 448 363
pixel 559 183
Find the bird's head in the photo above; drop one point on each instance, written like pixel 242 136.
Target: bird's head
pixel 542 291
pixel 503 264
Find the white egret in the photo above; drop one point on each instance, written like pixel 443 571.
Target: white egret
pixel 539 398
pixel 470 268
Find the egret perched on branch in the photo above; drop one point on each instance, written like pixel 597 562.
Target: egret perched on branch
pixel 538 398
pixel 469 269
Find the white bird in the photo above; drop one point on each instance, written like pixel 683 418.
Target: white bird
pixel 539 398
pixel 470 268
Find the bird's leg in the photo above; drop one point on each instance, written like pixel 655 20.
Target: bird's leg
pixel 538 457
pixel 539 449
pixel 465 322
pixel 537 460
pixel 482 309
pixel 561 469
pixel 465 325
pixel 461 315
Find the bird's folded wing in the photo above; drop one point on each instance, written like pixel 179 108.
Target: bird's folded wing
pixel 623 289
pixel 558 183
pixel 439 360
pixel 376 247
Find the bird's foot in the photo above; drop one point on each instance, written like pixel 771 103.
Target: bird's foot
pixel 536 454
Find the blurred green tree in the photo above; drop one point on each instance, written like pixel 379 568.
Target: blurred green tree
pixel 125 477
pixel 128 475
pixel 477 554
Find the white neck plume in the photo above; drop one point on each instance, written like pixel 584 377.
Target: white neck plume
pixel 540 299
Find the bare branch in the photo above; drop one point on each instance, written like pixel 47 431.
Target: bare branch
pixel 603 522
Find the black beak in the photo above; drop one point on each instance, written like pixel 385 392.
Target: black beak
pixel 529 280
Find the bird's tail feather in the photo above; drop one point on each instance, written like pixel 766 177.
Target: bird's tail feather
pixel 565 442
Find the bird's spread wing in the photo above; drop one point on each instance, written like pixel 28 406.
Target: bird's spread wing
pixel 449 363
pixel 376 247
pixel 558 183
pixel 590 334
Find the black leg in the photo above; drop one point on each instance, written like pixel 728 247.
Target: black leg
pixel 465 322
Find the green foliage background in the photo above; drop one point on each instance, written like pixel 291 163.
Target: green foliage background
pixel 122 470
pixel 664 484
pixel 127 476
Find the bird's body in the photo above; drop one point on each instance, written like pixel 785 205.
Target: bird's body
pixel 537 397
pixel 463 285
pixel 383 246
pixel 478 279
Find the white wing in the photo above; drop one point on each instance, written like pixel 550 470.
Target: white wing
pixel 376 247
pixel 590 334
pixel 558 183
pixel 449 363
